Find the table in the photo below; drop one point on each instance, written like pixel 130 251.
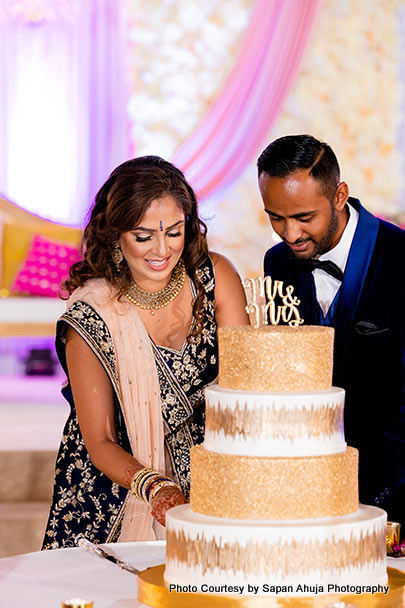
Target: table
pixel 45 578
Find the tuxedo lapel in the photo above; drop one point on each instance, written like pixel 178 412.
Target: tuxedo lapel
pixel 355 273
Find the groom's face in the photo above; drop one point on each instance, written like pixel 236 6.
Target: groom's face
pixel 300 213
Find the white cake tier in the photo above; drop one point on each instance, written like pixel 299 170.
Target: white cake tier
pixel 210 551
pixel 274 424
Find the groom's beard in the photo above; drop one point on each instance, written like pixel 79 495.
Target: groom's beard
pixel 324 244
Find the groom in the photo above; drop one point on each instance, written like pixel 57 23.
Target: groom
pixel 347 269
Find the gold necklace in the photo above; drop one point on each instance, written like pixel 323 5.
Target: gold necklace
pixel 159 299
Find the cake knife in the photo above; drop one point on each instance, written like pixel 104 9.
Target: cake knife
pixel 86 545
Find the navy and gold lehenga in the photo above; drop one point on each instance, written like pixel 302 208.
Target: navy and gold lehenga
pixel 84 499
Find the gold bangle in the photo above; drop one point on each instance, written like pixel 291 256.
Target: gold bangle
pixel 143 480
pixel 165 483
pixel 135 481
pixel 139 480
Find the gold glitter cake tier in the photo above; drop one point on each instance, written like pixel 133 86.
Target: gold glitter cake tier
pixel 246 487
pixel 276 358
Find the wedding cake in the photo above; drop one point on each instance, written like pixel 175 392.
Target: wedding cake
pixel 274 490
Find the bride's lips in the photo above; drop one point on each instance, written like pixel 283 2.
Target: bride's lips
pixel 158 265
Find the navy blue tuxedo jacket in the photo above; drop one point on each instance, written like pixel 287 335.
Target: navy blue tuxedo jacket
pixel 369 351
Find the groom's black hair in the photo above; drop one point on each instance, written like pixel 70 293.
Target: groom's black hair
pixel 293 152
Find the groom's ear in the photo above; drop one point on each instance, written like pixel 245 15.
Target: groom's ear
pixel 341 196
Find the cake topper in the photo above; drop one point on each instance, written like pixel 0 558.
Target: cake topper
pixel 262 309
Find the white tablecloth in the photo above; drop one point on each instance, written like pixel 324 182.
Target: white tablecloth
pixel 46 578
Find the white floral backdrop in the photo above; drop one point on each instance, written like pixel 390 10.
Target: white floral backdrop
pixel 348 92
pixel 180 53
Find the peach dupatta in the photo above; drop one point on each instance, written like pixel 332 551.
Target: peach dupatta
pixel 138 393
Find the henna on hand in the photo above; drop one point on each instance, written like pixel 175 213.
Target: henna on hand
pixel 128 474
pixel 164 500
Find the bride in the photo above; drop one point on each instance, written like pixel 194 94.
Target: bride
pixel 138 345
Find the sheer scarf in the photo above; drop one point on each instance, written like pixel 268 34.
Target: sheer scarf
pixel 139 395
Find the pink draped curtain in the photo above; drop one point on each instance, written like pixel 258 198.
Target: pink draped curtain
pixel 236 124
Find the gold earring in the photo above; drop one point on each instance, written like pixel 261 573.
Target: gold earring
pixel 117 256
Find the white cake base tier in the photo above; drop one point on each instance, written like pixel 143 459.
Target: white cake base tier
pixel 274 424
pixel 292 556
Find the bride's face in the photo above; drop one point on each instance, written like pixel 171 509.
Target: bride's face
pixel 153 247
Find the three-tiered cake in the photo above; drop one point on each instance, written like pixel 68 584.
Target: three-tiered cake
pixel 274 489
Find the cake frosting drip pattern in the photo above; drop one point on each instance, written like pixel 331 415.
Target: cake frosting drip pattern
pixel 272 358
pixel 269 558
pixel 274 422
pixel 273 488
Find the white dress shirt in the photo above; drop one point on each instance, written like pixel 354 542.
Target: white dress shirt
pixel 325 285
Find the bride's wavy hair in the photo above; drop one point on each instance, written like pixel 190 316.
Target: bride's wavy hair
pixel 119 206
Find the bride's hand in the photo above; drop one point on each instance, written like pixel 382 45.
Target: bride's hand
pixel 165 499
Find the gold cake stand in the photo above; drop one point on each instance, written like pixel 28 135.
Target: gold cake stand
pixel 152 592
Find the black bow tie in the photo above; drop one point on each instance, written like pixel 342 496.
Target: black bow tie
pixel 326 265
